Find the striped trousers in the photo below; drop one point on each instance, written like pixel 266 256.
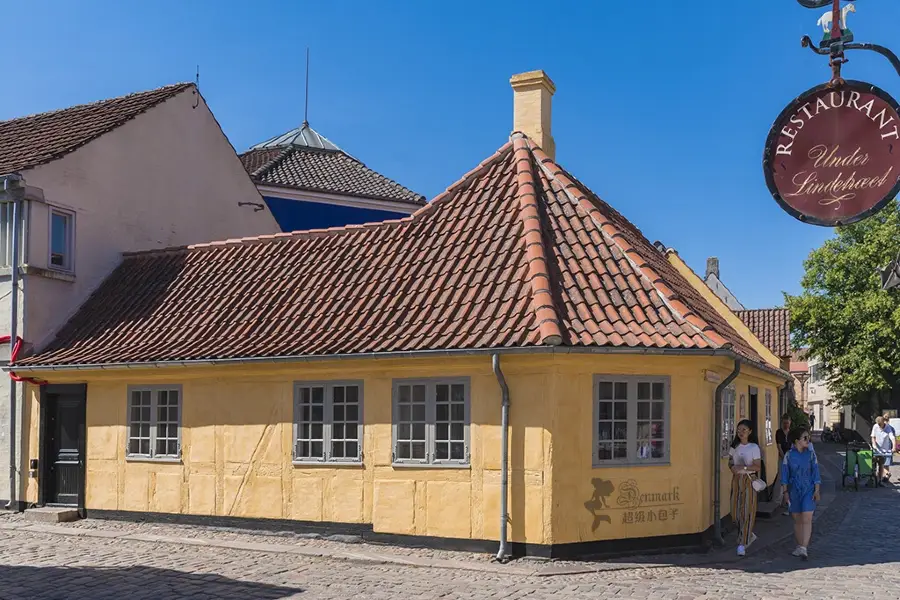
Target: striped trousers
pixel 743 507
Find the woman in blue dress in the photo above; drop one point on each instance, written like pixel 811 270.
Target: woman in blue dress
pixel 801 480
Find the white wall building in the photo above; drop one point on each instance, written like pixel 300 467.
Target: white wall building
pixel 143 171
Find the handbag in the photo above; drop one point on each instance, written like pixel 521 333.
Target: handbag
pixel 757 484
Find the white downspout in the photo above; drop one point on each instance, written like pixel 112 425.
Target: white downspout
pixel 503 553
pixel 13 188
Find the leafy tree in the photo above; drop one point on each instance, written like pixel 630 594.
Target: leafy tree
pixel 844 317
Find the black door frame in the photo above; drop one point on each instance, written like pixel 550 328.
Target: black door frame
pixel 44 457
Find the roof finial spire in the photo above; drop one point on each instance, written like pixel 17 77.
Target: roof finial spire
pixel 306 102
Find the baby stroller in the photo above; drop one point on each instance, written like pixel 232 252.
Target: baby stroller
pixel 859 465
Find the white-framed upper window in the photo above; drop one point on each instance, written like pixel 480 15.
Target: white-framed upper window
pixel 631 420
pixel 154 421
pixel 769 434
pixel 729 418
pixel 62 240
pixel 328 421
pixel 431 421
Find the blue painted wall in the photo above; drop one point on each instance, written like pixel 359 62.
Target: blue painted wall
pixel 295 215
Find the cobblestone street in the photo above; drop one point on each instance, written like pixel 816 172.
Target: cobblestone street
pixel 845 562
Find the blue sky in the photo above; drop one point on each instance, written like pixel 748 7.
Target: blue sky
pixel 662 108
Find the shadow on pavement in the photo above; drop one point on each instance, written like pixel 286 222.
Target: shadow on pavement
pixel 122 583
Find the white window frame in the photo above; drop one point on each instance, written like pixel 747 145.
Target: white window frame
pixel 431 422
pixel 632 382
pixel 327 422
pixel 6 210
pixel 69 266
pixel 769 435
pixel 729 418
pixel 154 422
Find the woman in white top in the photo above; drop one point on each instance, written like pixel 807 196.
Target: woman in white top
pixel 745 461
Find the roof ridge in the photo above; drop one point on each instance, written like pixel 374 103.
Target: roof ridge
pixel 608 229
pixel 272 162
pixel 535 252
pixel 444 196
pixel 172 86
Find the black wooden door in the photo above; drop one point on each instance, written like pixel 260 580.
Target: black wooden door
pixel 64 430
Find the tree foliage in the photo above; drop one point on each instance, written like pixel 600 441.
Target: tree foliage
pixel 844 317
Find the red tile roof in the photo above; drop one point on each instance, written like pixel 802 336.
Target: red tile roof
pixel 516 254
pixel 329 171
pixel 772 326
pixel 30 141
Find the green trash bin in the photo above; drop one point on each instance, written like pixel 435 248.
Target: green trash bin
pixel 865 460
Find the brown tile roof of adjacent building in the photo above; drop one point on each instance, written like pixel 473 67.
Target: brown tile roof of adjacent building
pixel 30 141
pixel 516 254
pixel 772 326
pixel 304 160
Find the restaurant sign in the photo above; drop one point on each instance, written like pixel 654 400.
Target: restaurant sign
pixel 833 155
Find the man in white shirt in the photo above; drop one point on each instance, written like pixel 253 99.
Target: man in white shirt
pixel 883 442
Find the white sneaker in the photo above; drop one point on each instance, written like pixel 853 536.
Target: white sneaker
pixel 741 551
pixel 751 540
pixel 803 553
pixel 797 551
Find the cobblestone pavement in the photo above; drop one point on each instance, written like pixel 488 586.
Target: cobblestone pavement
pixel 846 562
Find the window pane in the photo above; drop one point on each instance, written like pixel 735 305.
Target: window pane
pixel 621 410
pixel 59 239
pixel 605 411
pixel 620 450
pixel 352 450
pixel 418 450
pixel 458 412
pixel 659 408
pixel 659 391
pixel 621 391
pixel 145 430
pixel 457 451
pixel 443 393
pixel 135 413
pixel 337 449
pixel 318 412
pixel 145 447
pixel 418 396
pixel 337 431
pixel 458 393
pixel 404 431
pixel 317 448
pixel 403 451
pixel 604 451
pixel 338 412
pixel 316 431
pixel 318 395
pixel 643 391
pixel 338 395
pixel 405 412
pixel 352 431
pixel 442 451
pixel 621 430
pixel 134 446
pixel 404 394
pixel 418 412
pixel 145 414
pixel 604 432
pixel 135 431
pixel 353 413
pixel 418 430
pixel 442 431
pixel 304 431
pixel 443 412
pixel 353 394
pixel 304 396
pixel 658 449
pixel 173 448
pixel 643 410
pixel 605 390
pixel 457 431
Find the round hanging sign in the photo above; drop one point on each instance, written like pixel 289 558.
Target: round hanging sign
pixel 833 155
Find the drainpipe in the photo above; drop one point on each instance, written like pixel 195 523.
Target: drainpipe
pixel 717 466
pixel 12 188
pixel 503 552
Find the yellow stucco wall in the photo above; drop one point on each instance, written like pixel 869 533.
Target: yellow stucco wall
pixel 237 442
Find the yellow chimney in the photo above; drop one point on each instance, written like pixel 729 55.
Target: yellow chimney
pixel 532 93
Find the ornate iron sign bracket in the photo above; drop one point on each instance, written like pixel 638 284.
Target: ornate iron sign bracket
pixel 840 38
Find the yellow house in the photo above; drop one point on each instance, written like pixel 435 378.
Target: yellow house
pixel 513 365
